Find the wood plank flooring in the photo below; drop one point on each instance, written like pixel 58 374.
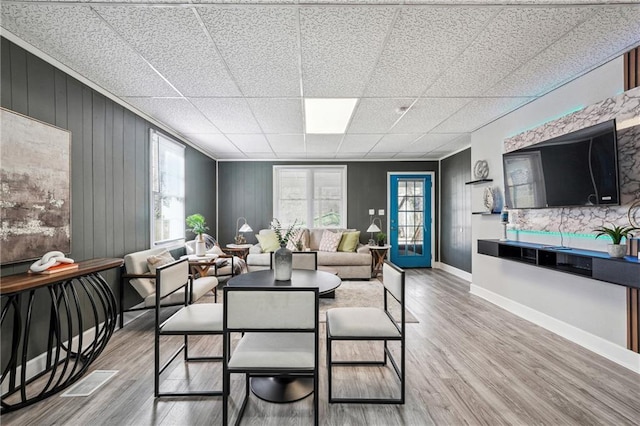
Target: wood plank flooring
pixel 468 362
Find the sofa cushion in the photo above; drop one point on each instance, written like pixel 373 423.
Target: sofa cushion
pixel 326 258
pixel 268 241
pixel 330 241
pixel 349 241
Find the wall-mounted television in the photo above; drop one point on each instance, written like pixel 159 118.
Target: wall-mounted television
pixel 576 169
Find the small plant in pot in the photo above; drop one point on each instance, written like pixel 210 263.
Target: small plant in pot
pixel 198 225
pixel 616 233
pixel 381 237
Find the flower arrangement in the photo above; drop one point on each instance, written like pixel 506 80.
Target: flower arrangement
pixel 283 237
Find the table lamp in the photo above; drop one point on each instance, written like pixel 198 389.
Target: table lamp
pixel 239 239
pixel 374 228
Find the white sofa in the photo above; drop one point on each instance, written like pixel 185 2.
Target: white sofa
pixel 348 265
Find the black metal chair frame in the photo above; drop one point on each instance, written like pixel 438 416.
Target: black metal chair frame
pixel 253 372
pixel 184 347
pixel 399 370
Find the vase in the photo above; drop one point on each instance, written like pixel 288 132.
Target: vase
pixel 201 247
pixel 282 263
pixel 617 250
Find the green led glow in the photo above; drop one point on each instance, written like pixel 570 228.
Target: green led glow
pixel 578 108
pixel 550 233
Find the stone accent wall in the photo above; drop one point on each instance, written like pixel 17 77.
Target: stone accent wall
pixel 582 220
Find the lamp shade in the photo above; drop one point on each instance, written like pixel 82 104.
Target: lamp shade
pixel 373 228
pixel 245 228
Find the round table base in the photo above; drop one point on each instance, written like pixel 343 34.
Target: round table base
pixel 281 389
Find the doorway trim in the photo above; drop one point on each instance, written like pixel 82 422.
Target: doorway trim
pixel 433 207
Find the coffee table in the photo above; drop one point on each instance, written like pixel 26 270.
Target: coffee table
pixel 282 389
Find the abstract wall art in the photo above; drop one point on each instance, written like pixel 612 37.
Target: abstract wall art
pixel 35 188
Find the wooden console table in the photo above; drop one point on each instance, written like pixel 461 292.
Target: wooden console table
pixel 61 297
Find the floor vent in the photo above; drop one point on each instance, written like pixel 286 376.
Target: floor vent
pixel 90 384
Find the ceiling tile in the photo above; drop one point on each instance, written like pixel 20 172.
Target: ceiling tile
pixel 177 113
pixel 380 155
pixel 376 115
pixel 394 142
pixel 430 142
pixel 340 47
pixel 283 144
pixel 479 112
pixel 611 29
pixel 250 143
pixel 428 113
pixel 323 143
pixel 230 115
pixel 359 142
pixel 260 155
pixel 178 47
pixel 351 155
pixel 422 43
pixel 78 38
pixel 260 46
pixel 213 143
pixel 278 115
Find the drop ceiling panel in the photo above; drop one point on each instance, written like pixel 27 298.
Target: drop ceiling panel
pixel 476 70
pixel 373 155
pixel 427 113
pixel 77 37
pixel 178 47
pixel 610 30
pixel 423 43
pixel 260 155
pixel 340 47
pixel 376 115
pixel 250 143
pixel 430 142
pixel 177 113
pixel 478 113
pixel 359 142
pixel 286 144
pixel 351 155
pixel 230 115
pixel 317 144
pixel 278 115
pixel 259 45
pixel 213 143
pixel 394 142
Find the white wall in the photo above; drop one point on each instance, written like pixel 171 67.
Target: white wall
pixel 592 307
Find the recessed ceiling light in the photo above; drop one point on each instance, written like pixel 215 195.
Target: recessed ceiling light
pixel 328 115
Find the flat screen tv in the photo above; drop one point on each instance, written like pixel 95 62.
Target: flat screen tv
pixel 576 169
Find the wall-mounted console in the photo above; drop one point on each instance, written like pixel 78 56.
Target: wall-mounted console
pixel 587 263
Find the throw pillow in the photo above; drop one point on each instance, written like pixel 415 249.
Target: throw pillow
pixel 154 262
pixel 349 241
pixel 268 242
pixel 330 241
pixel 296 236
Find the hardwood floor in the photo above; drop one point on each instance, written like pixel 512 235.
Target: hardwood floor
pixel 468 362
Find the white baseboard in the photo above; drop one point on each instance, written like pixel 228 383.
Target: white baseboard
pixel 454 271
pixel 609 350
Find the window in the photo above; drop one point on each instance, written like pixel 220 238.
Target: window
pixel 315 196
pixel 167 190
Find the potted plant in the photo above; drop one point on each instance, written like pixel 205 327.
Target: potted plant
pixel 616 233
pixel 381 237
pixel 197 224
pixel 282 258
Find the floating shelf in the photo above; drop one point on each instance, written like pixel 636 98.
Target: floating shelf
pixel 485 213
pixel 478 181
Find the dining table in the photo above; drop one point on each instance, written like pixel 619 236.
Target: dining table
pixel 283 388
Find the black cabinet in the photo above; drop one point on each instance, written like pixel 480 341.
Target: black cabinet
pixel 586 263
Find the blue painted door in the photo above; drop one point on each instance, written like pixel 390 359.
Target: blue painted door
pixel 410 220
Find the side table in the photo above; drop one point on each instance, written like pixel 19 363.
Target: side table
pixel 240 250
pixel 378 255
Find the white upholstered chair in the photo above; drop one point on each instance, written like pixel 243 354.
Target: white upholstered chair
pixel 280 336
pixel 191 319
pixel 371 324
pixel 136 273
